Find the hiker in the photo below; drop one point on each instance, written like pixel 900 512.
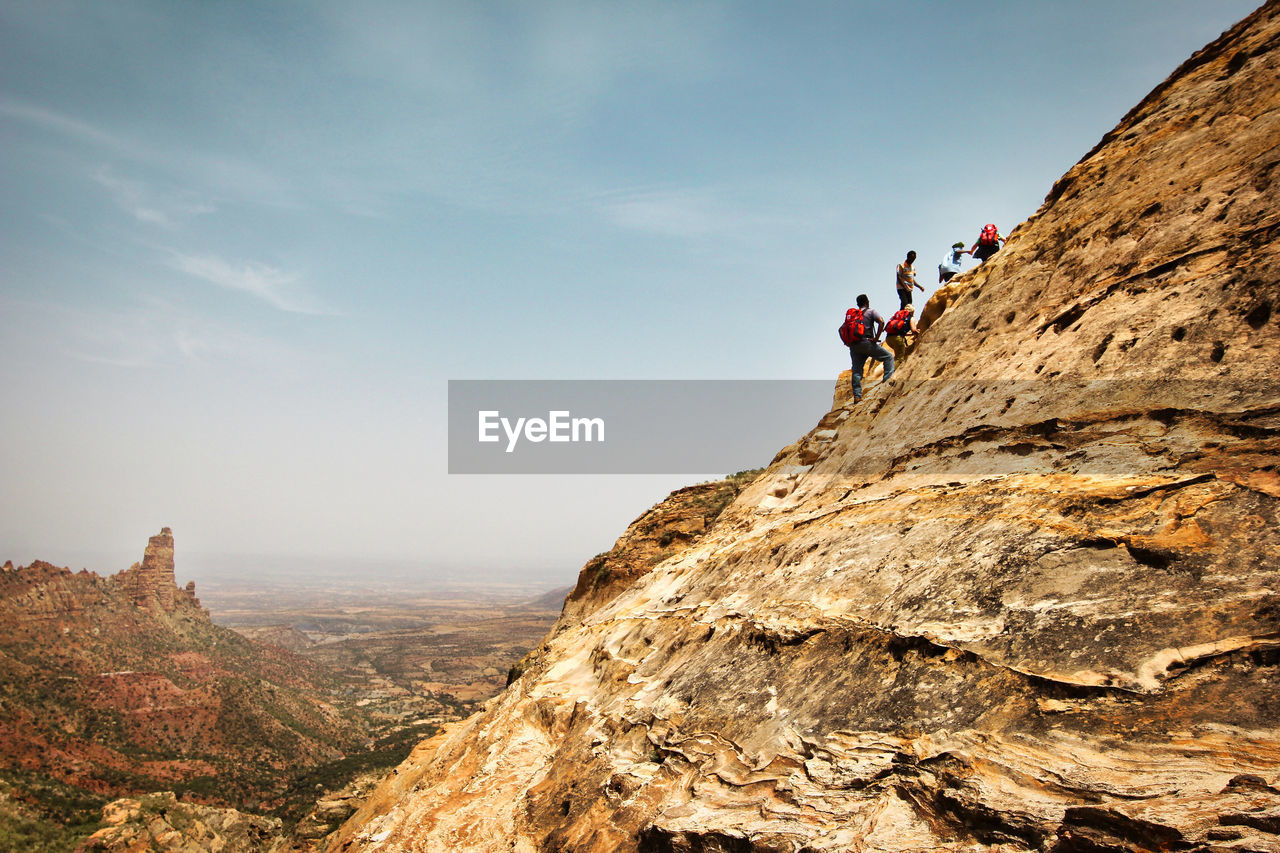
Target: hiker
pixel 907 280
pixel 987 244
pixel 860 332
pixel 950 266
pixel 900 325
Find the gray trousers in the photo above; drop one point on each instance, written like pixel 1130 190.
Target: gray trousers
pixel 859 353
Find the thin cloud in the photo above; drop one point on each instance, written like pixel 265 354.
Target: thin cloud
pixel 149 334
pixel 219 174
pixel 500 135
pixel 680 212
pixel 279 288
pixel 145 204
pixel 67 126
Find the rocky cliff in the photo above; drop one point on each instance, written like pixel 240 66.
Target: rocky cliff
pixel 660 532
pixel 159 822
pixel 1025 596
pixel 123 685
pixel 152 583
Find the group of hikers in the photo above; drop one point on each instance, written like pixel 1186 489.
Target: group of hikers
pixel 863 326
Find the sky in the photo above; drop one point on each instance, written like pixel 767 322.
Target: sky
pixel 244 246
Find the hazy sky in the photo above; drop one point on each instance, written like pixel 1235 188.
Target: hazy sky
pixel 244 245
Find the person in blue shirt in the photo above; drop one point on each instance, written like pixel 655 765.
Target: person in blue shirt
pixel 950 266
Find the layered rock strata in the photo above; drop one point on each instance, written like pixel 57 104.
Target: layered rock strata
pixel 122 684
pixel 660 532
pixel 152 582
pixel 1026 596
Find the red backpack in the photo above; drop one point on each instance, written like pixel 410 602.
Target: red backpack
pixel 990 235
pixel 898 323
pixel 854 328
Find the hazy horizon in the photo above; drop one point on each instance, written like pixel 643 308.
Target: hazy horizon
pixel 232 567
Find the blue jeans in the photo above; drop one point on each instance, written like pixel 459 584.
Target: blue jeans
pixel 859 353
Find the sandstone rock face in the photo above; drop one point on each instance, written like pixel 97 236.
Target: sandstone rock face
pixel 329 813
pixel 158 822
pixel 152 583
pixel 662 531
pixel 1026 596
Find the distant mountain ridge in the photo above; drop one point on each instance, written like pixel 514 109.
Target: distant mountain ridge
pixel 123 685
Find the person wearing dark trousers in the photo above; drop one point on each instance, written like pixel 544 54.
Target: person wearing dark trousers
pixel 988 242
pixel 868 346
pixel 906 281
pixel 950 266
pixel 901 326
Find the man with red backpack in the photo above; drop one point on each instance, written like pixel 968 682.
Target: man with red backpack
pixel 860 332
pixel 988 242
pixel 900 325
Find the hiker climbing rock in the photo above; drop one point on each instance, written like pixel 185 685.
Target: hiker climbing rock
pixel 901 325
pixel 987 244
pixel 950 266
pixel 907 280
pixel 860 332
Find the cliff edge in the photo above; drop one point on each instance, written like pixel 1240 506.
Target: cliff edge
pixel 1026 596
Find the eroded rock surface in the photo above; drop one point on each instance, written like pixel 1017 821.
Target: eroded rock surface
pixel 1026 596
pixel 159 822
pixel 122 684
pixel 151 583
pixel 659 533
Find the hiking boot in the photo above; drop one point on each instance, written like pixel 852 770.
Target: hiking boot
pixel 857 398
